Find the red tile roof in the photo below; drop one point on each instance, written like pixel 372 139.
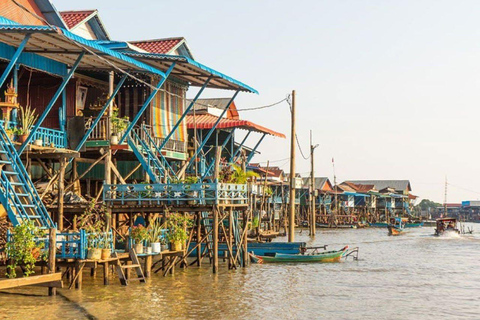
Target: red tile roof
pixel 206 121
pixel 163 46
pixel 73 18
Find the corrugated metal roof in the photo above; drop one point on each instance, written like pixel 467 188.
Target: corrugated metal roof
pixel 206 121
pixel 63 46
pixel 319 182
pixel 398 185
pixel 192 71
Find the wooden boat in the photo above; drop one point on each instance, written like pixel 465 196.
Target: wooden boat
pixel 336 226
pixel 261 248
pixel 447 227
pixel 396 226
pixel 327 256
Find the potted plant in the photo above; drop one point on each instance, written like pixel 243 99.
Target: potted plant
pixel 119 125
pixel 139 234
pixel 177 225
pixel 92 221
pixel 155 231
pixel 27 120
pixel 163 244
pixel 105 244
pixel 24 248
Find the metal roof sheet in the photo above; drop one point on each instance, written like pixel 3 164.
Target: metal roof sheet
pixel 206 121
pixel 63 46
pixel 192 71
pixel 399 185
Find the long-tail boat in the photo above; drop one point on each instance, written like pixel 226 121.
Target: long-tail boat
pixel 446 226
pixel 396 227
pixel 327 256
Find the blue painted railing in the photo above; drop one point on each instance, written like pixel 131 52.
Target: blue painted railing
pixel 51 136
pixel 11 123
pixel 175 193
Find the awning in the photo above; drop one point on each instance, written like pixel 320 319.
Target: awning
pixel 61 45
pixel 207 121
pixel 191 71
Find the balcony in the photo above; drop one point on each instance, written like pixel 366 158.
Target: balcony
pixel 175 194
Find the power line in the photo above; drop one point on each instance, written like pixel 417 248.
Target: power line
pixel 267 106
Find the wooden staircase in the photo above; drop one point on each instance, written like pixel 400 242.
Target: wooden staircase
pixel 123 269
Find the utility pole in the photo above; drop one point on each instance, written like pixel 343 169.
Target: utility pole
pixel 312 187
pixel 291 225
pixel 445 211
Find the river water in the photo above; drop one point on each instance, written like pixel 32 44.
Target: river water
pixel 413 276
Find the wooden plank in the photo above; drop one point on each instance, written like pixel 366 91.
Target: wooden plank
pixel 29 281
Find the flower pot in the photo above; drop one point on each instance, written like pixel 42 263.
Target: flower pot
pixel 94 254
pixel 177 246
pixel 149 250
pixel 22 138
pixel 106 253
pixel 38 142
pixel 139 248
pixel 156 247
pixel 36 253
pixel 164 247
pixel 114 139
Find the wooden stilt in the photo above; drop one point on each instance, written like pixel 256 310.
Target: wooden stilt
pixel 199 239
pixel 61 191
pixel 52 240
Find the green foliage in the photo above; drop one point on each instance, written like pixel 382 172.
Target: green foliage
pixel 119 124
pixel 191 179
pixel 139 233
pixel 27 119
pixel 268 191
pixel 23 248
pixel 232 173
pixel 425 204
pixel 177 225
pixel 154 230
pixel 92 221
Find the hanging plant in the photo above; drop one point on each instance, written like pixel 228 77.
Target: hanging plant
pixel 24 248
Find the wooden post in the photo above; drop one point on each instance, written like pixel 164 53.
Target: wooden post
pixel 312 183
pixel 52 245
pixel 215 239
pixel 245 248
pixel 216 173
pixel 230 237
pixel 61 191
pixel 291 225
pixel 199 238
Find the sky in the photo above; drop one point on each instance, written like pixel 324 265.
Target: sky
pixel 390 89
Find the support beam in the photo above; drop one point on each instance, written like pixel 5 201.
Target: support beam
pixel 61 191
pixel 51 103
pixel 255 148
pixel 146 104
pixel 204 141
pixel 239 147
pixel 213 162
pixel 102 112
pixel 190 106
pixel 14 59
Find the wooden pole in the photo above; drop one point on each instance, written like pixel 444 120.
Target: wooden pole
pixel 216 173
pixel 61 191
pixel 199 238
pixel 312 183
pixel 52 241
pixel 291 225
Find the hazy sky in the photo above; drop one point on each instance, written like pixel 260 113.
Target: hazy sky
pixel 390 88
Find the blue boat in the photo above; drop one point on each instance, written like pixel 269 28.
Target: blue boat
pixel 260 248
pixel 407 225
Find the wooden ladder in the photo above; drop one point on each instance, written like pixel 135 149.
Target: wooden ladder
pixel 122 268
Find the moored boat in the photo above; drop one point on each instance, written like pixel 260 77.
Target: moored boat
pixel 327 256
pixel 407 225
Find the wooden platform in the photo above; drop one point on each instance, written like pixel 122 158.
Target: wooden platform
pixel 53 280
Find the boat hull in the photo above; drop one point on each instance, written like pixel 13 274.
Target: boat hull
pixel 329 256
pixel 394 231
pixel 261 248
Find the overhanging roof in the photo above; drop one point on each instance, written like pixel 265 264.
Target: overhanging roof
pixel 207 121
pixel 191 71
pixel 63 46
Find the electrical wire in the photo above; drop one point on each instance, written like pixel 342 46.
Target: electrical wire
pixel 264 107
